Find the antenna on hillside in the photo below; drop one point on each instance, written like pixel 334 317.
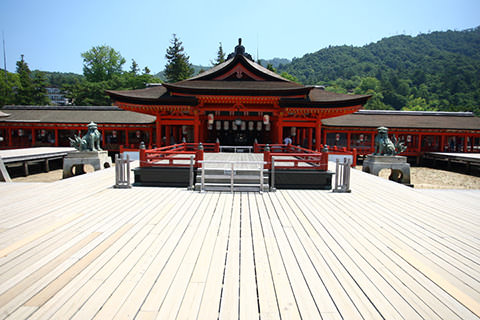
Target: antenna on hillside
pixel 5 63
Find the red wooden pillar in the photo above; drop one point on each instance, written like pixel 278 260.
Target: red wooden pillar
pixel 372 142
pixel 103 137
pixel 419 147
pixel 196 127
pixel 279 129
pixel 10 142
pixel 56 138
pixel 464 143
pixel 158 132
pixel 310 137
pixel 442 143
pixel 318 135
pixel 167 135
pixel 33 137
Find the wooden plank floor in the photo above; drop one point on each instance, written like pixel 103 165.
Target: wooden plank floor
pixel 80 249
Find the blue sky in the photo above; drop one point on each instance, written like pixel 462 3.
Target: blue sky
pixel 53 33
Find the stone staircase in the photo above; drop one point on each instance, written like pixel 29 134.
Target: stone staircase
pixel 243 180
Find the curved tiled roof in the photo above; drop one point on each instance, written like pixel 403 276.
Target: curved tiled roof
pixel 150 93
pixel 222 80
pixel 268 88
pixel 406 119
pixel 227 65
pixel 98 114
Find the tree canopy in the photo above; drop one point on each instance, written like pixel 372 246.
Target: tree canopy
pixel 178 67
pixel 101 63
pixel 436 71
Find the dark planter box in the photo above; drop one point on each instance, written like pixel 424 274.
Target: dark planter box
pixel 162 177
pixel 303 179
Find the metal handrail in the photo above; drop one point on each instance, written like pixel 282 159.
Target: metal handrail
pixel 237 147
pixel 232 168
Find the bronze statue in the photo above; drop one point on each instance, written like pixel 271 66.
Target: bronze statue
pixel 384 146
pixel 90 141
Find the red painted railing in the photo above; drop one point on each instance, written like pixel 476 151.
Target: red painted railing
pixel 292 157
pixel 177 155
pixel 317 160
pixel 285 156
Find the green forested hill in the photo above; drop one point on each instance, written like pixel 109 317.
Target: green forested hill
pixel 435 71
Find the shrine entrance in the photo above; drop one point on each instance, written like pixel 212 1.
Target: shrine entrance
pixel 238 132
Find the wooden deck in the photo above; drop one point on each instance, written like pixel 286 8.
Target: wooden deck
pixel 80 249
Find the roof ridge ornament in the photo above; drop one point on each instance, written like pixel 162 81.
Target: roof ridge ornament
pixel 239 50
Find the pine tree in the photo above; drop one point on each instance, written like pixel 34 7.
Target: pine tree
pixel 24 95
pixel 134 67
pixel 220 56
pixel 39 92
pixel 178 67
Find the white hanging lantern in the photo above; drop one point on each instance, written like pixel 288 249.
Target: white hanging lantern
pixel 225 125
pixel 293 131
pixel 266 119
pixel 218 125
pixel 243 126
pixel 267 127
pixel 210 118
pixel 250 125
pixel 259 125
pixel 234 125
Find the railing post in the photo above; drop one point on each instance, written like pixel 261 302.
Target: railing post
pixel 231 177
pixel 354 160
pixel 117 169
pixel 267 157
pixel 199 156
pixel 202 184
pixel 143 158
pixel 128 170
pixel 190 184
pixel 272 183
pixel 337 173
pixel 122 172
pixel 261 178
pixel 217 146
pixel 342 176
pixel 347 175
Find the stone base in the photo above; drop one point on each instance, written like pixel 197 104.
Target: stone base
pixel 74 161
pixel 397 164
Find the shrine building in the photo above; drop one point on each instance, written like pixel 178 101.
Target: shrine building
pixel 238 102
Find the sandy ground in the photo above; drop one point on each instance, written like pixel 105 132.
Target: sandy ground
pixel 422 178
pixel 428 178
